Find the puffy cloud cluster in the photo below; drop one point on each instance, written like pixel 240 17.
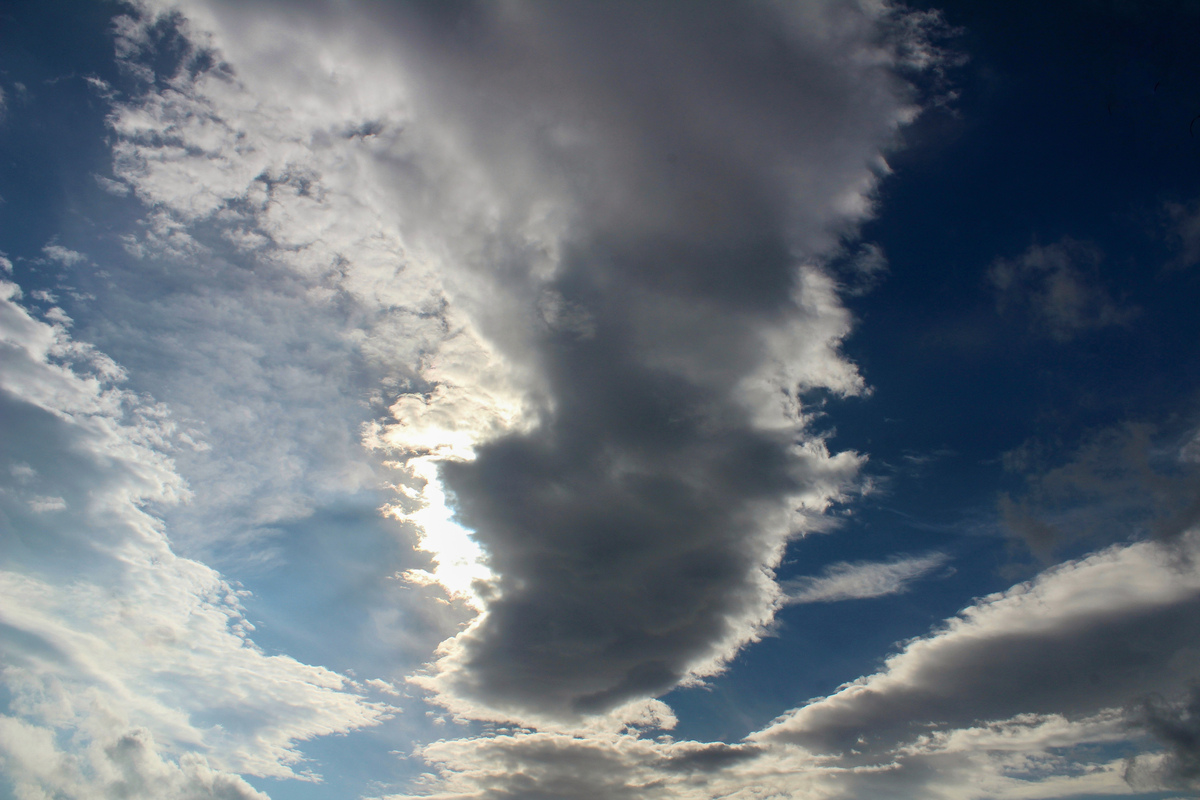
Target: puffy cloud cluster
pixel 597 233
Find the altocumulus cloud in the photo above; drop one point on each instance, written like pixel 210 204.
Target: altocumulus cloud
pixel 139 658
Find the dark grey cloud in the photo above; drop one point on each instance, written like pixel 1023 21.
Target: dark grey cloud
pixel 1056 289
pixel 605 766
pixel 1125 481
pixel 551 768
pixel 1093 634
pixel 631 209
pixel 1175 723
pixel 703 157
pixel 711 757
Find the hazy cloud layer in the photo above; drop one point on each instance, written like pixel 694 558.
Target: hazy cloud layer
pixel 1184 232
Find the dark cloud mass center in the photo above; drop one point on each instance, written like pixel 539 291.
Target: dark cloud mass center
pixel 705 162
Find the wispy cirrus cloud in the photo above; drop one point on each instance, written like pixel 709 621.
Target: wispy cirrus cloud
pixel 861 579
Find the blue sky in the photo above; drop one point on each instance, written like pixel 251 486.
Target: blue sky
pixel 599 400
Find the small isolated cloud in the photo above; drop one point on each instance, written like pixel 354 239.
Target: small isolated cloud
pixel 1056 289
pixel 1184 231
pixel 862 579
pixel 64 256
pixel 5 264
pixel 43 504
pixel 118 188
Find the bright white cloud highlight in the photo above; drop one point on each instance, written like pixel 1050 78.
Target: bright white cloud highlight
pixel 139 657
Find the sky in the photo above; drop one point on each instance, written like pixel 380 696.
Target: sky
pixel 516 400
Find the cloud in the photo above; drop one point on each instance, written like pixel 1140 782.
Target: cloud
pixel 613 766
pixel 601 233
pixel 1124 481
pixel 122 659
pixel 63 255
pixel 1175 722
pixel 112 187
pixel 1028 756
pixel 1055 287
pixel 123 767
pixel 1185 231
pixel 861 579
pixel 1087 635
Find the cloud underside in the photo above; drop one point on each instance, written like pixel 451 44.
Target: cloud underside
pixel 1076 683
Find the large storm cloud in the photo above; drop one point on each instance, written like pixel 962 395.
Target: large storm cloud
pixel 627 214
pixel 706 165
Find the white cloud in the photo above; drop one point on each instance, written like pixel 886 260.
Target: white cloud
pixel 40 504
pixel 118 767
pixel 112 187
pixel 112 641
pixel 63 255
pixel 862 579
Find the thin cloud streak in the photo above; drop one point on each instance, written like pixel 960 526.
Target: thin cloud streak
pixel 861 579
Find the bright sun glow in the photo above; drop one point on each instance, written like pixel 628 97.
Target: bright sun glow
pixel 459 562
